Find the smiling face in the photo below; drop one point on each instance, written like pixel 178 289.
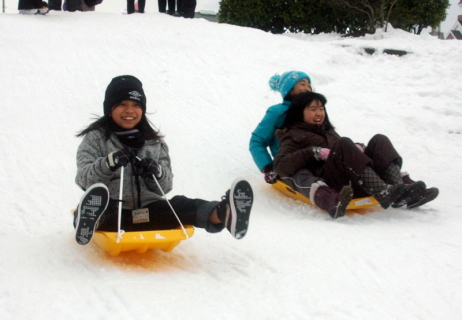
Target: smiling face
pixel 302 86
pixel 127 114
pixel 314 113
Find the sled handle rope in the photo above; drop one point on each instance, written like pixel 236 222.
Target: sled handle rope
pixel 173 210
pixel 119 214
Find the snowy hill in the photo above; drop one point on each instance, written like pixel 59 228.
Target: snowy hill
pixel 206 85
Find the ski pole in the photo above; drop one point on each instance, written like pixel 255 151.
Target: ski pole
pixel 169 204
pixel 119 214
pixel 173 210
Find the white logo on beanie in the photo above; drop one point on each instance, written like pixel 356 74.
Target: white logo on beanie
pixel 135 95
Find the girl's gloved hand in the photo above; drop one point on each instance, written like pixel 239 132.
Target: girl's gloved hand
pixel 148 167
pixel 270 175
pixel 117 159
pixel 324 153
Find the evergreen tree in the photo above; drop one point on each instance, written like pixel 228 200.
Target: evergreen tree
pixel 349 17
pixel 415 15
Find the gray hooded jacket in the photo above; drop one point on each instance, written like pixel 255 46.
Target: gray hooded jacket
pixel 92 168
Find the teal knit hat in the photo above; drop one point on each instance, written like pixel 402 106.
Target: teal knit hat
pixel 287 81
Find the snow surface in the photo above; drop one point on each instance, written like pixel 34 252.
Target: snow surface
pixel 207 89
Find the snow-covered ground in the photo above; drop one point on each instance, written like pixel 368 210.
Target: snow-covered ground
pixel 207 89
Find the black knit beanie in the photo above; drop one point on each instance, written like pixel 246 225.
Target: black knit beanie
pixel 124 88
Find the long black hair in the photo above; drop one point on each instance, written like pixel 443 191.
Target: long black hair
pixel 299 102
pixel 108 125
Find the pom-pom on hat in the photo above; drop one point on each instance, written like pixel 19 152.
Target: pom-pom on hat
pixel 124 88
pixel 287 81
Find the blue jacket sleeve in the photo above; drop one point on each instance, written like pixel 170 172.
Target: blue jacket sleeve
pixel 263 138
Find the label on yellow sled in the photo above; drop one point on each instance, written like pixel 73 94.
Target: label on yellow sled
pixel 362 202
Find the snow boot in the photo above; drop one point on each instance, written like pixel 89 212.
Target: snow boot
pixel 92 205
pixel 414 193
pixel 335 203
pixel 430 194
pixel 388 196
pixel 234 208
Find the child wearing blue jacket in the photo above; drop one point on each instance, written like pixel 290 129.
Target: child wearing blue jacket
pixel 290 84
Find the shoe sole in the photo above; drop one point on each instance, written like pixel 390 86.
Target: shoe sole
pixel 240 201
pixel 91 206
pixel 345 197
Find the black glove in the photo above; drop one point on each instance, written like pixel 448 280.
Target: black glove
pixel 270 176
pixel 148 167
pixel 117 159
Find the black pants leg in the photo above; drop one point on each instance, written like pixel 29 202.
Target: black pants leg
pixel 171 6
pixel 162 5
pixel 141 5
pixel 130 6
pixel 190 211
pixel 55 5
pixel 346 163
pixel 180 7
pixel 29 4
pixel 189 7
pixel 344 166
pixel 381 151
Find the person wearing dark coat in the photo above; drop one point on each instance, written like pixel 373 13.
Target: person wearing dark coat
pixel 55 5
pixel 131 7
pixel 163 6
pixel 308 140
pixel 29 4
pixel 32 7
pixel 77 5
pixel 187 8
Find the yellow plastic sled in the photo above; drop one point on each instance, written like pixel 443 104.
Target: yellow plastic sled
pixel 355 204
pixel 141 241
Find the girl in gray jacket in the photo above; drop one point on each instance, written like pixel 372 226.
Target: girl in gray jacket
pixel 124 137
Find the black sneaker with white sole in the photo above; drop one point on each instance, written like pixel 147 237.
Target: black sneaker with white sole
pixel 234 209
pixel 91 206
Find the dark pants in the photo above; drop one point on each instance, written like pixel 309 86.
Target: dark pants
pixel 346 162
pixel 29 4
pixel 131 6
pixel 163 5
pixel 186 8
pixel 72 5
pixel 194 212
pixel 55 5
